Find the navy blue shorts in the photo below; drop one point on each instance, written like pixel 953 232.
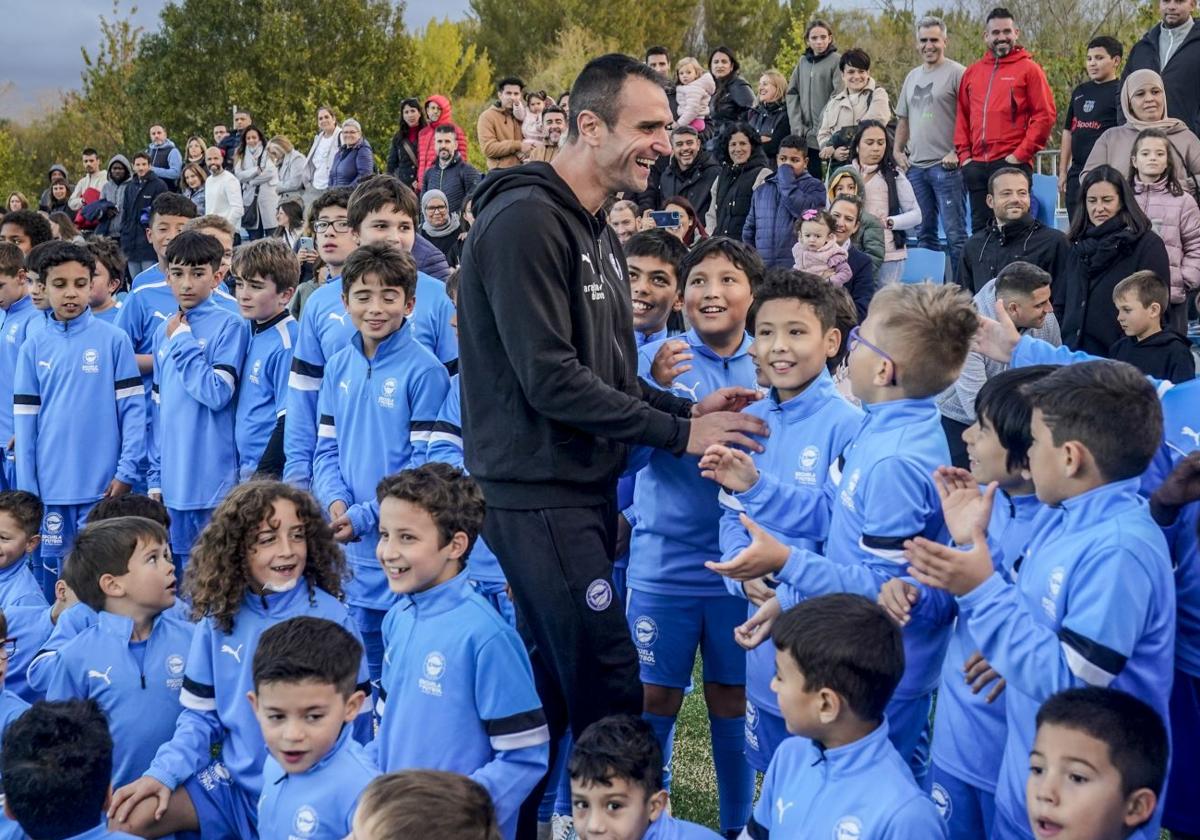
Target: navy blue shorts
pixel 667 630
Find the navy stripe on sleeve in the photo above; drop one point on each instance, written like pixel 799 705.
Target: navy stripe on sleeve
pixel 521 722
pixel 131 382
pixel 307 368
pixel 26 399
pixel 889 548
pixel 445 428
pixel 757 831
pixel 1089 660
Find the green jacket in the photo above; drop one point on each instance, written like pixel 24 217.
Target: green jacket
pixel 813 82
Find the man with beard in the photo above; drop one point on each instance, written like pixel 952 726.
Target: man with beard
pixel 1005 113
pixel 554 122
pixel 452 175
pixel 499 132
pixel 93 180
pixel 222 191
pixel 690 173
pixel 551 399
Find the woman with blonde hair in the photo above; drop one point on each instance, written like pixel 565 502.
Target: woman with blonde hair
pixel 769 118
pixel 193 151
pixel 290 164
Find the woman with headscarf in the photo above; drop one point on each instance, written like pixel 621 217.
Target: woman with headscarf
pixel 733 98
pixel 1144 103
pixel 402 156
pixel 440 226
pixel 437 113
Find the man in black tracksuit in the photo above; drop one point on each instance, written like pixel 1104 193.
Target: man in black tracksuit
pixel 550 395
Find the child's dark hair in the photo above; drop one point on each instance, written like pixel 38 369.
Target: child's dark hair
pixel 618 747
pixel 796 143
pixel 847 319
pixel 217 579
pixel 104 548
pixel 380 192
pixel 108 254
pixel 739 253
pixel 36 258
pixel 1021 278
pixel 130 504
pixel 427 803
pixel 847 644
pixel 308 649
pixel 192 248
pixel 271 259
pixel 1170 176
pixel 390 266
pixel 35 225
pixel 1003 404
pixel 12 259
pixel 821 216
pixel 1147 287
pixel 659 245
pixel 801 286
pixel 452 284
pixel 24 507
pixel 58 253
pixel 1109 407
pixel 294 210
pixel 1133 731
pixel 332 197
pixel 57 765
pixel 172 204
pixel 1107 43
pixel 446 493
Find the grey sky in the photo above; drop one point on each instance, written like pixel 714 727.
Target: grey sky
pixel 42 40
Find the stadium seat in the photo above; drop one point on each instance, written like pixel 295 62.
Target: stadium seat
pixel 1045 189
pixel 922 265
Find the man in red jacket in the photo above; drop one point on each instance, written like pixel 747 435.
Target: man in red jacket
pixel 1005 112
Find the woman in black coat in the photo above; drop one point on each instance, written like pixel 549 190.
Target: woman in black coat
pixel 743 167
pixel 769 118
pixel 733 98
pixel 402 156
pixel 1110 240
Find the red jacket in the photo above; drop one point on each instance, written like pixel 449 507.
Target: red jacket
pixel 1005 107
pixel 426 153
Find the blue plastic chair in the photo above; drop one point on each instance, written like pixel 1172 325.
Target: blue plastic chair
pixel 924 265
pixel 1045 190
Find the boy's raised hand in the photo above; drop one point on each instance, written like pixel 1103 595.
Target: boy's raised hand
pixel 731 468
pixel 765 555
pixel 957 571
pixel 125 799
pixel 669 362
pixel 757 628
pixel 997 338
pixel 965 509
pixel 897 597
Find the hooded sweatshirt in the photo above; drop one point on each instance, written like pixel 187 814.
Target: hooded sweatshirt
pixel 113 192
pixel 1165 355
pixel 1005 107
pixel 56 171
pixel 550 394
pixel 815 79
pixel 426 153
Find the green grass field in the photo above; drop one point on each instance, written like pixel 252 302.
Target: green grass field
pixel 694 782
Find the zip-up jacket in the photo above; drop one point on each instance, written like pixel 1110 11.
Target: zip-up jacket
pixel 807 434
pixel 862 790
pixel 550 393
pixel 19 588
pixel 136 684
pixel 143 311
pixel 73 375
pixel 376 417
pixel 323 797
pixel 11 708
pixel 451 663
pixel 16 324
pixel 667 827
pixel 775 206
pixel 456 179
pixel 446 445
pixel 326 328
pixel 263 389
pixel 215 682
pixel 1094 604
pixel 193 459
pixel 814 80
pixel 1005 107
pixel 32 627
pixel 1027 239
pixel 678 516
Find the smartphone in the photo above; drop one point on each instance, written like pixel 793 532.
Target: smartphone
pixel 305 244
pixel 665 218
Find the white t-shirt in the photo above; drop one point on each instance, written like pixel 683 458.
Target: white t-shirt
pixel 322 158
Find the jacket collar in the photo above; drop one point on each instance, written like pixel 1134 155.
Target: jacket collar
pixel 1099 503
pixel 121 626
pixel 69 327
pixel 894 413
pixel 19 306
pixel 641 338
pixel 855 758
pixel 441 598
pixel 1015 229
pixel 808 402
pixel 257 327
pixel 697 343
pixel 277 603
pixel 393 345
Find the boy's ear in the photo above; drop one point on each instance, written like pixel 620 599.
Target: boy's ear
pixel 285 297
pixel 354 706
pixel 458 544
pixel 110 586
pixel 885 373
pixel 658 805
pixel 830 708
pixel 1155 309
pixel 253 698
pixel 833 342
pixel 677 304
pixel 1139 807
pixel 1076 455
pixel 409 304
pixel 32 543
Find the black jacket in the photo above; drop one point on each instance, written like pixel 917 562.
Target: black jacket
pixel 135 217
pixel 402 159
pixel 695 184
pixel 731 103
pixel 1102 258
pixel 1164 355
pixel 1027 239
pixel 770 119
pixel 1179 79
pixel 862 281
pixel 456 180
pixel 734 187
pixel 550 392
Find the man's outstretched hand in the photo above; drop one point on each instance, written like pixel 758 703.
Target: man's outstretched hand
pixel 727 428
pixel 733 398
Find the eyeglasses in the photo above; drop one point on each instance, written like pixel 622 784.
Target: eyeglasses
pixel 8 648
pixel 436 208
pixel 855 338
pixel 338 225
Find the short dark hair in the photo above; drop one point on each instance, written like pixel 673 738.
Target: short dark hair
pixel 1107 43
pixel 618 747
pixel 391 266
pixel 141 155
pixel 104 548
pixel 308 649
pixel 999 13
pixel 332 197
pixel 193 248
pixel 1147 287
pixel 817 23
pixel 739 253
pixel 505 81
pixel 657 49
pixel 429 803
pixel 172 204
pixel 451 498
pixel 57 765
pixel 130 504
pixel 686 130
pixel 856 58
pixel 1020 278
pixel 24 507
pixel 552 109
pixel 446 128
pixel 845 643
pixel 12 259
pixel 796 143
pixel 89 151
pixel 659 245
pixel 58 253
pixel 1004 405
pixel 1001 172
pixel 271 259
pixel 790 284
pixel 597 88
pixel 378 193
pixel 1133 730
pixel 1109 407
pixel 108 254
pixel 35 225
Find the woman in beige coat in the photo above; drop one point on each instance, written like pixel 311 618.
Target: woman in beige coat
pixel 859 99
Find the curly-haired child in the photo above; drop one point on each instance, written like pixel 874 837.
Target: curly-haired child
pixel 267 555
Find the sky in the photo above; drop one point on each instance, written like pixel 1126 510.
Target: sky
pixel 35 66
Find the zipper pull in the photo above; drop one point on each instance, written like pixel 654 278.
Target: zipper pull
pixel 143 681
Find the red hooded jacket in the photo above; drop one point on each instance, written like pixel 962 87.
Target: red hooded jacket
pixel 1005 107
pixel 426 153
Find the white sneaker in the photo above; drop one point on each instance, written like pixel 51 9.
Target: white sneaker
pixel 562 828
